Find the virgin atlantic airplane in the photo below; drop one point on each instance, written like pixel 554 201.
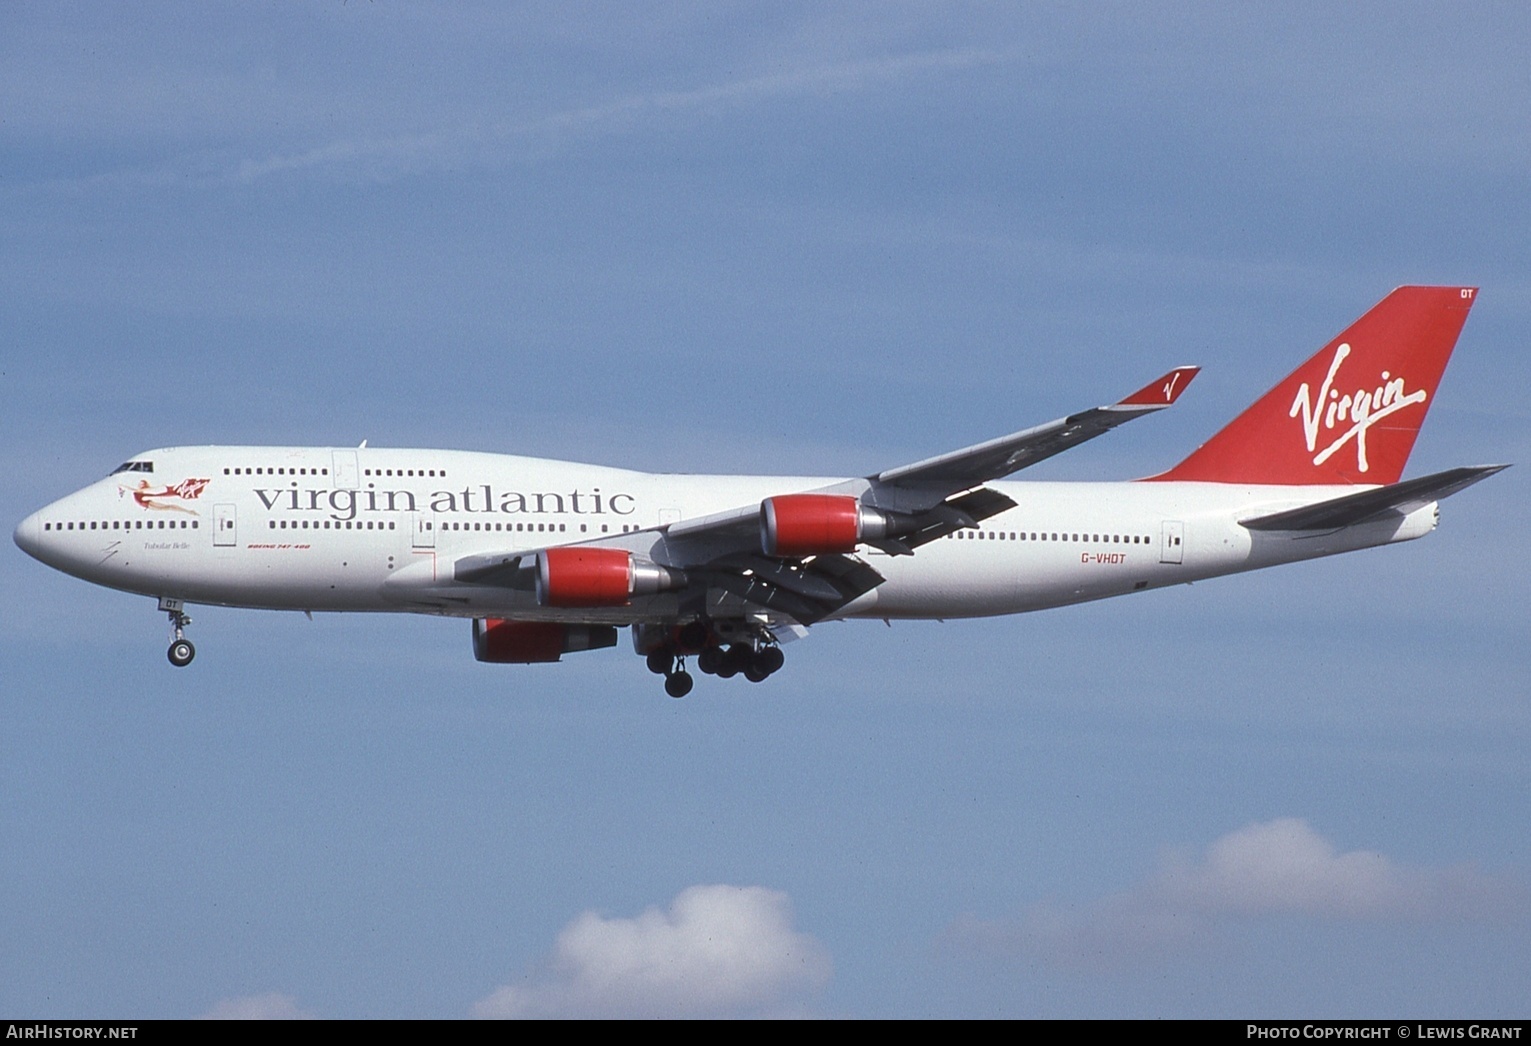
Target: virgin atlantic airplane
pixel 551 557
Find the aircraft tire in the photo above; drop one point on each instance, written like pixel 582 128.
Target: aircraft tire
pixel 678 684
pixel 181 652
pixel 736 660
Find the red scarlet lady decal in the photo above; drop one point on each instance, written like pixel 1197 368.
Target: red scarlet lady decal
pixel 148 497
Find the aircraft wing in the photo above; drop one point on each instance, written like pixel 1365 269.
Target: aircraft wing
pixel 1000 457
pixel 909 506
pixel 803 590
pixel 929 483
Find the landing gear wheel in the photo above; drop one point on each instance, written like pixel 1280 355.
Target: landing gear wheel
pixel 181 652
pixel 678 684
pixel 736 660
pixel 710 660
pixel 660 662
pixel 762 663
pixel 771 659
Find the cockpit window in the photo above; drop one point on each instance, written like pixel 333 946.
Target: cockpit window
pixel 134 466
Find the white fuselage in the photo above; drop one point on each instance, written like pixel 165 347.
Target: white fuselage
pixel 378 530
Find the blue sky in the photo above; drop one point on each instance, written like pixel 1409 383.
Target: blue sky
pixel 761 238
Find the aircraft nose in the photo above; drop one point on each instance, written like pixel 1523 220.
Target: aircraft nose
pixel 28 535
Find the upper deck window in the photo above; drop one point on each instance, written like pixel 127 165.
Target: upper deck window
pixel 134 466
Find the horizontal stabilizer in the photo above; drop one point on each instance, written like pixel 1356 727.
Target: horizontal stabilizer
pixel 1402 498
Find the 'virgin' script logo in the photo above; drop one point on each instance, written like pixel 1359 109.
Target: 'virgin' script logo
pixel 1362 409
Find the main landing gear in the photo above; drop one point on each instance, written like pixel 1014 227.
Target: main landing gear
pixel 677 681
pixel 754 663
pixel 181 651
pixel 754 660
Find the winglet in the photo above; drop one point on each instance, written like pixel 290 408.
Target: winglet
pixel 1161 392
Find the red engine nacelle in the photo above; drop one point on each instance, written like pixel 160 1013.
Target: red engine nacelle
pixel 577 576
pixel 584 577
pixel 817 524
pixel 533 642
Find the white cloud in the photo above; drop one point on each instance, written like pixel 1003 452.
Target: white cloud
pixel 716 950
pixel 1270 869
pixel 269 1007
pixel 1285 866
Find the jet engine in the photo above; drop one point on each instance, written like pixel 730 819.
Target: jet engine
pixel 574 576
pixel 817 524
pixel 531 642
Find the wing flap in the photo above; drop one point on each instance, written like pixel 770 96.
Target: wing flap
pixel 807 592
pixel 953 514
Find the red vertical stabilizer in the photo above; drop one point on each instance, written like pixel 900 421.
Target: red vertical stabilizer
pixel 1351 413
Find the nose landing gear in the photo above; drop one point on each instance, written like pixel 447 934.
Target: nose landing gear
pixel 181 651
